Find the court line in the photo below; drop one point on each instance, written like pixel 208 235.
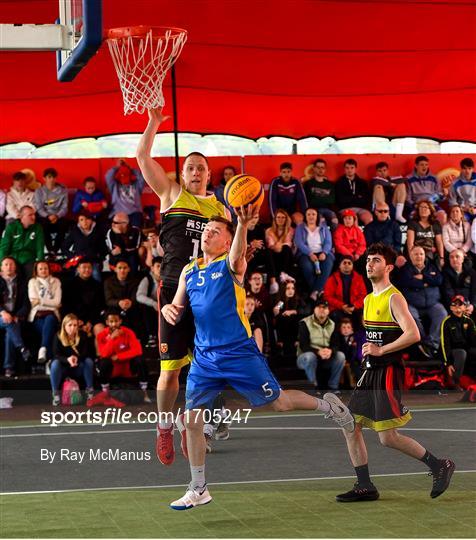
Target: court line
pixel 248 428
pixel 170 486
pixel 251 417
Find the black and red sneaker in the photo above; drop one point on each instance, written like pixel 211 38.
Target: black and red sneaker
pixel 359 492
pixel 442 477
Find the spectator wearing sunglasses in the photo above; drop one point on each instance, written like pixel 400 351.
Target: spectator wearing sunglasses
pixel 123 242
pixel 383 229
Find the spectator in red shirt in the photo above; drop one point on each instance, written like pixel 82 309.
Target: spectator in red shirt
pixel 348 237
pixel 120 355
pixel 345 291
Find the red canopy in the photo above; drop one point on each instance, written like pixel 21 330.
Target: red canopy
pixel 265 67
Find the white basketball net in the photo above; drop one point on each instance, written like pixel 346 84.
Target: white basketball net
pixel 141 64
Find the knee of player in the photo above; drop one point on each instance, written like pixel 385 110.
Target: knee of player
pixel 388 438
pixel 193 420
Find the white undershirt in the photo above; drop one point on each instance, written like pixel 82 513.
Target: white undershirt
pixel 314 240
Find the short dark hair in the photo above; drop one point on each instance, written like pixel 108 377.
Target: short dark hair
pixel 345 320
pixel 229 225
pixel 381 164
pixel 85 260
pixel 157 260
pixel 11 258
pixel 121 260
pixel 89 179
pixel 198 154
pixel 319 160
pixel 387 252
pixel 419 159
pixel 112 311
pixel 229 167
pixel 285 165
pixel 50 172
pixel 85 213
pixel 466 162
pixel 19 176
pixel 350 161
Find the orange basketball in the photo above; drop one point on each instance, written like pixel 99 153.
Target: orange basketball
pixel 242 190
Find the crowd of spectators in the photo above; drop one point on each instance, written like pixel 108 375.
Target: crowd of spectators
pixel 75 275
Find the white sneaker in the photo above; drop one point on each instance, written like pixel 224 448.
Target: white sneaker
pixel 339 412
pixel 42 355
pixel 191 498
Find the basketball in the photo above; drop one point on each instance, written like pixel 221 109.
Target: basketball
pixel 242 190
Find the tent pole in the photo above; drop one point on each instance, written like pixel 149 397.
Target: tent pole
pixel 175 116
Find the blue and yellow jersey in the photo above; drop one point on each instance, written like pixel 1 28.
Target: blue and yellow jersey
pixel 379 323
pixel 217 300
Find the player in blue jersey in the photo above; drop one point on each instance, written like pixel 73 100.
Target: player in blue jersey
pixel 225 351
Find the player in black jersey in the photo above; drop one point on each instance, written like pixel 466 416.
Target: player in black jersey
pixel 185 211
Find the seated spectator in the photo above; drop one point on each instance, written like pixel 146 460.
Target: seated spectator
pixel 85 240
pixel 314 251
pixel 18 197
pixel 345 291
pixel 123 242
pixel 84 296
pixel 383 229
pixel 286 192
pixel 423 186
pixel 120 355
pixel 389 190
pixel 425 231
pixel 152 246
pixel 73 355
pixel 14 308
pixel 258 255
pixel 44 292
pixel 352 192
pixel 318 347
pixel 120 292
pixel 257 289
pixel 51 203
pixel 458 345
pixel 350 344
pixel 256 321
pixel 320 193
pixel 420 281
pixel 288 311
pixel 456 231
pixel 459 279
pixel 279 239
pixel 90 199
pixel 463 189
pixel 23 240
pixel 147 300
pixel 228 173
pixel 126 185
pixel 348 237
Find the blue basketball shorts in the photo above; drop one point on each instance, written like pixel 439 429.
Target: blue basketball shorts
pixel 242 367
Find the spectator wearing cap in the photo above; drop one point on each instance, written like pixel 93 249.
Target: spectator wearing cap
pixel 18 196
pixel 420 280
pixel 51 203
pixel 126 185
pixel 23 240
pixel 84 240
pixel 314 251
pixel 349 239
pixel 458 344
pixel 463 189
pixel 345 291
pixel 123 241
pixel 90 199
pixel 352 192
pixel 317 346
pixel 459 279
pixel 286 192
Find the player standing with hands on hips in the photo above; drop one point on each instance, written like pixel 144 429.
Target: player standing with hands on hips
pixel 185 211
pixel 225 351
pixel 376 400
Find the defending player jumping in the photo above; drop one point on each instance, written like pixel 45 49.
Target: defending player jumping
pixel 376 400
pixel 185 211
pixel 225 353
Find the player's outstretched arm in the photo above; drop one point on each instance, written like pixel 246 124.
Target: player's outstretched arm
pixel 152 171
pixel 237 256
pixel 173 312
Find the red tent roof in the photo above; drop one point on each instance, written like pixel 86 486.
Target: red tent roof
pixel 265 67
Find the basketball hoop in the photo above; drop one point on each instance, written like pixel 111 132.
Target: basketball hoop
pixel 142 55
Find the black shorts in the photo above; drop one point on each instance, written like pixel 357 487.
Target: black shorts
pixel 376 400
pixel 175 342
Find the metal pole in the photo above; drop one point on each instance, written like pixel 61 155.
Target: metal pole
pixel 175 118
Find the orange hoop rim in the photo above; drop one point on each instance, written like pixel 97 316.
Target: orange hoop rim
pixel 140 31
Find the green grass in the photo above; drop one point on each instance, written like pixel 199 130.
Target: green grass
pixel 275 510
